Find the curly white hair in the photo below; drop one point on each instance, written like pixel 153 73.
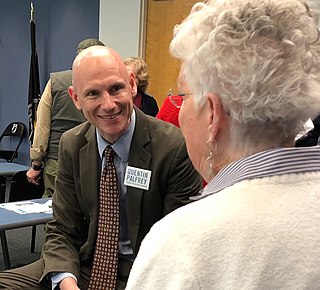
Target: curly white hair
pixel 261 57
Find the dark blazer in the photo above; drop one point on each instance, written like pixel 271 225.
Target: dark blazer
pixel 149 105
pixel 157 146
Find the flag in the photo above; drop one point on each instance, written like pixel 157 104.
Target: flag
pixel 34 81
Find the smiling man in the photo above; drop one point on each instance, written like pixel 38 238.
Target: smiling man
pixel 143 146
pixel 103 92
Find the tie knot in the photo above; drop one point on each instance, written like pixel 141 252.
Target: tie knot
pixel 109 154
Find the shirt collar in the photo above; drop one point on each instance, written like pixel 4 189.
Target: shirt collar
pixel 122 146
pixel 277 161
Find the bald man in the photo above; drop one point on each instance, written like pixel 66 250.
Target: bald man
pixel 103 90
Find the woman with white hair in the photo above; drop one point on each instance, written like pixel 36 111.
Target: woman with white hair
pixel 250 79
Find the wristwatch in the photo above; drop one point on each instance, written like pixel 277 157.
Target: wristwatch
pixel 37 167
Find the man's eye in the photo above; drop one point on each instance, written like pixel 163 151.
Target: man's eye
pixel 116 89
pixel 93 93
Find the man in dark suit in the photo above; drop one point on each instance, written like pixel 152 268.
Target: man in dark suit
pixel 144 146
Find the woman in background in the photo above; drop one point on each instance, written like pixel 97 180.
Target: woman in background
pixel 142 100
pixel 169 112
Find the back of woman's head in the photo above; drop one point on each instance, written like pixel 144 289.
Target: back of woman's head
pixel 262 58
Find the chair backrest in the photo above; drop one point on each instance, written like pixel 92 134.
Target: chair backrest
pixel 21 189
pixel 15 130
pixel 2 188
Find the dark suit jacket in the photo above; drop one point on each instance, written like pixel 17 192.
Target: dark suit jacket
pixel 157 146
pixel 149 105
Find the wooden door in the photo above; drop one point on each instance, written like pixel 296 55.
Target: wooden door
pixel 162 16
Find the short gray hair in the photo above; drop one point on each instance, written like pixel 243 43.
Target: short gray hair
pixel 261 57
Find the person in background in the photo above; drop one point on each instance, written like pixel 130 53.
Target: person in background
pixel 154 176
pixel 311 137
pixel 168 112
pixel 56 114
pixel 142 100
pixel 250 79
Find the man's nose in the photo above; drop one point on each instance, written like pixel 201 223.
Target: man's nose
pixel 107 101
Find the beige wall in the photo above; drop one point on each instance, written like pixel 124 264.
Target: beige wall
pixel 121 25
pixel 162 16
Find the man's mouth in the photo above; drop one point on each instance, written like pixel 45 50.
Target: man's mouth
pixel 109 116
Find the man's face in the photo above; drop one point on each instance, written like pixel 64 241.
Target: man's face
pixel 103 91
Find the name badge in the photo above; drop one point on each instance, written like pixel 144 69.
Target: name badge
pixel 137 177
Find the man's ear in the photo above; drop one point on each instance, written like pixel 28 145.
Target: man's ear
pixel 133 83
pixel 215 115
pixel 74 97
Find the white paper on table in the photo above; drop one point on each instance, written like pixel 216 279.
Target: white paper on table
pixel 49 203
pixel 25 207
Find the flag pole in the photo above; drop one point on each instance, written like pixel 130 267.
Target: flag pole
pixel 31 12
pixel 34 80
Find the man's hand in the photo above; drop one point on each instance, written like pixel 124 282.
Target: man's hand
pixel 33 176
pixel 68 284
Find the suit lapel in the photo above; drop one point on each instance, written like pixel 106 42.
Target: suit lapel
pixel 139 157
pixel 89 171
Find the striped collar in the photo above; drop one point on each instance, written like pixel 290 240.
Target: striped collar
pixel 277 161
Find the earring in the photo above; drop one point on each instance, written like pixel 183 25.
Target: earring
pixel 210 162
pixel 210 158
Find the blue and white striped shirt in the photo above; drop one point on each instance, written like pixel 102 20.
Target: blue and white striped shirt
pixel 277 161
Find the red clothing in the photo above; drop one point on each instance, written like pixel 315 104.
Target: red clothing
pixel 169 113
pixel 138 100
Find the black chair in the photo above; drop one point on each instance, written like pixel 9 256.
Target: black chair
pixel 15 130
pixel 21 190
pixel 2 188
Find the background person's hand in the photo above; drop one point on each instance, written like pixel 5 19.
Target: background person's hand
pixel 33 176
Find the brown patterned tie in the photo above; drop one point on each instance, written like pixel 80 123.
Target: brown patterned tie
pixel 105 262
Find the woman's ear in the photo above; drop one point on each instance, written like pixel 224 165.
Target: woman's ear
pixel 215 115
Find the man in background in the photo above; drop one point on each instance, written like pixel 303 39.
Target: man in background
pixel 56 114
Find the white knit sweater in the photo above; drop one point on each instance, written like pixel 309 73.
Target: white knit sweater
pixel 256 234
